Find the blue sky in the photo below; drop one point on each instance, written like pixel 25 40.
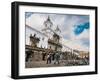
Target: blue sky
pixel 74 28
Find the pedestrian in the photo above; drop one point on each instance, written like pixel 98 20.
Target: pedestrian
pixel 61 58
pixel 49 58
pixel 57 58
pixel 53 56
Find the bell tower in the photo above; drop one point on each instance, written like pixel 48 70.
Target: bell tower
pixel 48 23
pixel 48 27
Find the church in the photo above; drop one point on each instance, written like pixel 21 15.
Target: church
pixel 48 37
pixel 39 43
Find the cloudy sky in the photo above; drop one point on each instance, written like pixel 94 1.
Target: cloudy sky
pixel 74 28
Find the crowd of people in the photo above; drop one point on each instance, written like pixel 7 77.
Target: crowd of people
pixel 57 58
pixel 54 58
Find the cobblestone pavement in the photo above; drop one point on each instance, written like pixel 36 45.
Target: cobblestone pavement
pixel 34 64
pixel 41 64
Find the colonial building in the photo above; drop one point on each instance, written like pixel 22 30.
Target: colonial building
pixel 83 54
pixel 38 43
pixel 48 37
pixel 36 38
pixel 53 34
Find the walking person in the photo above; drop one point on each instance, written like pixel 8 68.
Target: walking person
pixel 49 58
pixel 53 57
pixel 61 58
pixel 57 58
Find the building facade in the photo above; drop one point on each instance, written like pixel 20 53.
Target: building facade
pixel 39 43
pixel 54 36
pixel 46 38
pixel 32 34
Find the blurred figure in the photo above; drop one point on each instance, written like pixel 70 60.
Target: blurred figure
pixel 49 58
pixel 56 58
pixel 61 58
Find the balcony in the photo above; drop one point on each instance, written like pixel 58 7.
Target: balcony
pixel 54 43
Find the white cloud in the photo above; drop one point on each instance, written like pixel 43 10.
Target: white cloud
pixel 36 21
pixel 74 44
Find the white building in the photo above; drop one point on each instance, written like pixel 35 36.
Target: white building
pixel 47 37
pixel 32 31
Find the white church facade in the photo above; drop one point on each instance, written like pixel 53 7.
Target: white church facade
pixel 43 39
pixel 47 38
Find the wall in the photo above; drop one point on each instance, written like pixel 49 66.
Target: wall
pixel 42 43
pixel 5 40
